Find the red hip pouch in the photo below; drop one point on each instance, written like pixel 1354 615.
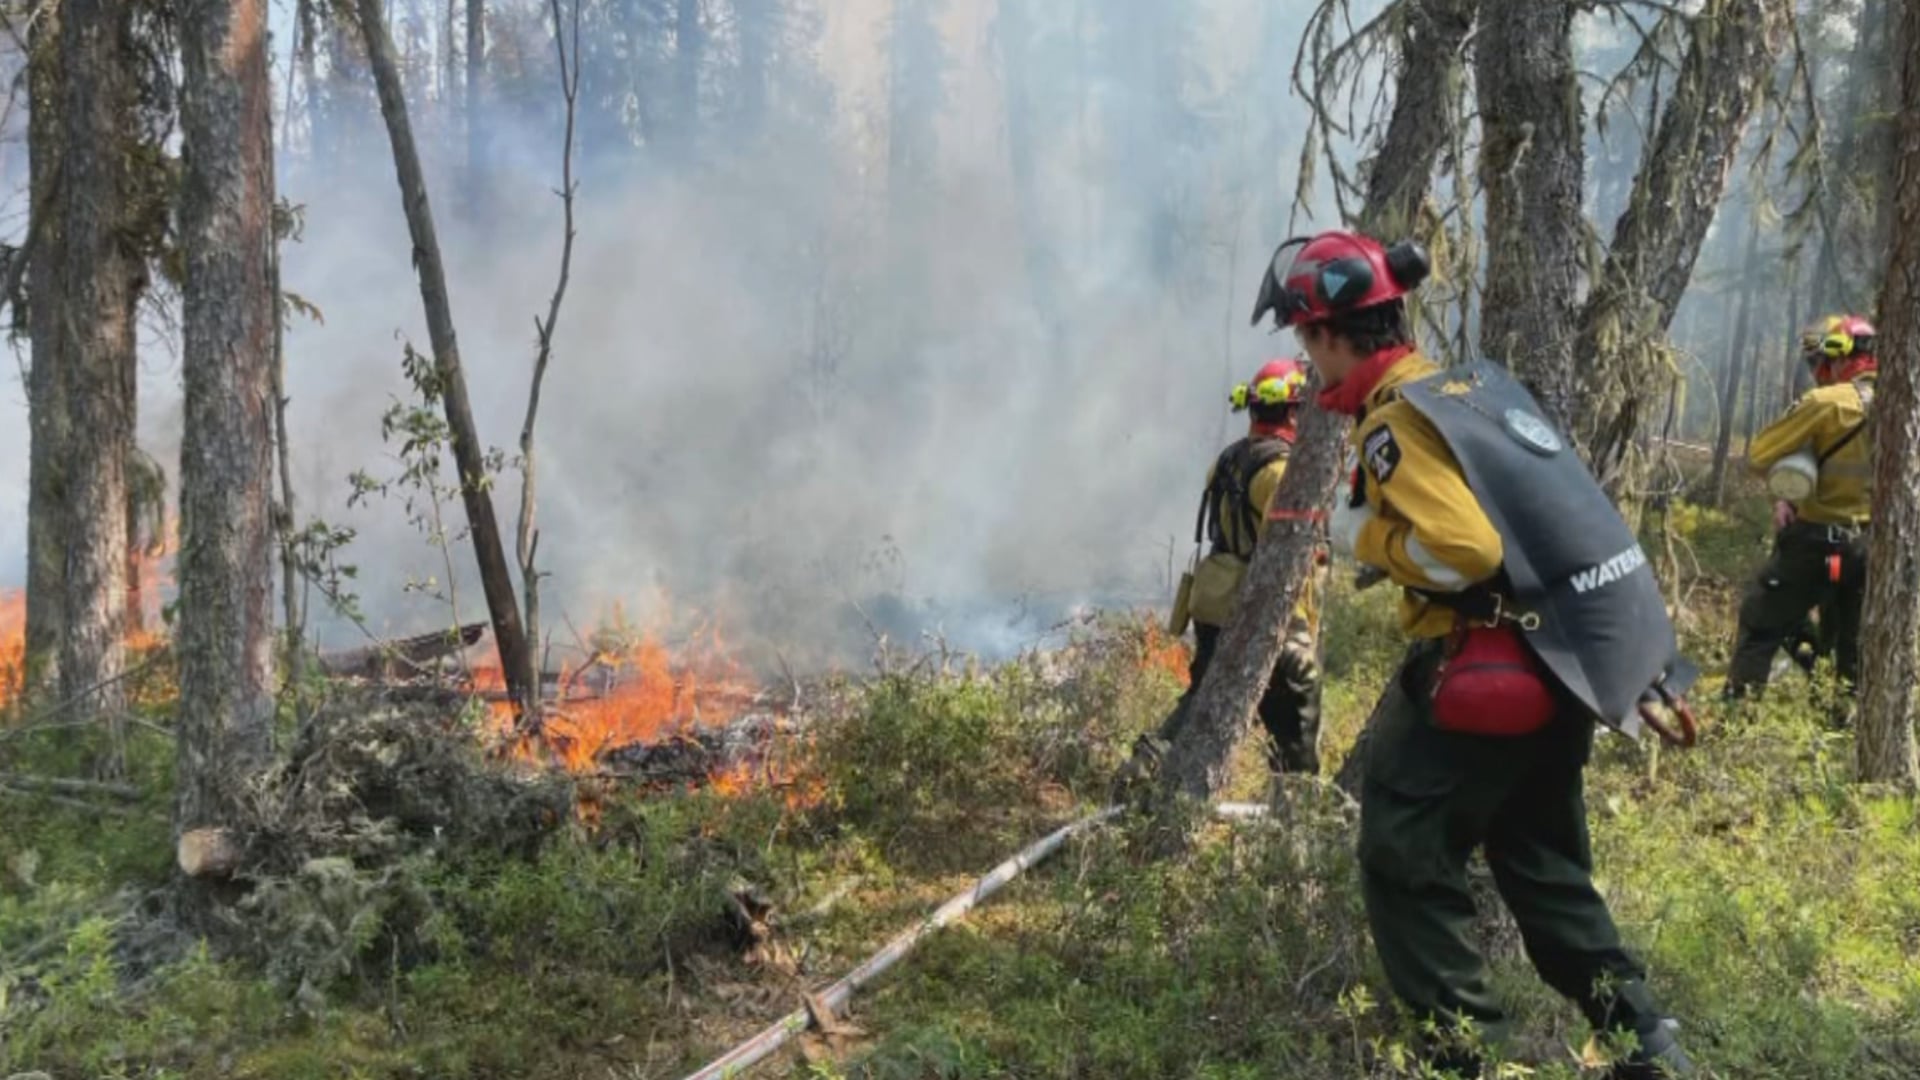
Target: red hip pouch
pixel 1490 683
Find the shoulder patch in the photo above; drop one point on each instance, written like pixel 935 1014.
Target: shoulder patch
pixel 1382 453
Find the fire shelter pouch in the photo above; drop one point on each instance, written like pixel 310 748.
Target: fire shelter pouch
pixel 1490 683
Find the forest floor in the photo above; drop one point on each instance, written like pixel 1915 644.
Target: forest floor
pixel 1776 904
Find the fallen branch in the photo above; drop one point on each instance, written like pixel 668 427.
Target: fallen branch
pixel 63 786
pixel 41 720
pixel 74 804
pixel 380 659
pixel 823 1009
pixel 835 998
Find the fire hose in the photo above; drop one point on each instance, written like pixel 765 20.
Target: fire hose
pixel 834 998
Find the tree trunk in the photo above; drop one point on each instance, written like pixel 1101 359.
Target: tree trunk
pixel 495 579
pixel 102 278
pixel 1532 164
pixel 1682 179
pixel 1398 180
pixel 1736 364
pixel 48 423
pixel 225 640
pixel 1401 173
pixel 1753 397
pixel 1795 297
pixel 1891 624
pixel 476 104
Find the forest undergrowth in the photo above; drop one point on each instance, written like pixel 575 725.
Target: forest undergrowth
pixel 424 914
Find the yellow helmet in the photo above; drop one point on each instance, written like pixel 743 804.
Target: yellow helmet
pixel 1837 337
pixel 1278 382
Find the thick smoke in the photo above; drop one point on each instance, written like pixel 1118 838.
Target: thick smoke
pixel 790 391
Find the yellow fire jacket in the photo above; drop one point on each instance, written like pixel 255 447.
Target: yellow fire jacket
pixel 1817 422
pixel 1261 490
pixel 1427 530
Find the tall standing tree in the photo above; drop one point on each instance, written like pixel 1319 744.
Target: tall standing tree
pixel 1399 176
pixel 1533 167
pixel 102 273
pixel 1890 670
pixel 1731 53
pixel 48 422
pixel 1736 362
pixel 225 639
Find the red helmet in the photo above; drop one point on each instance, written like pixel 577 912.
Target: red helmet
pixel 1337 272
pixel 1278 382
pixel 1837 337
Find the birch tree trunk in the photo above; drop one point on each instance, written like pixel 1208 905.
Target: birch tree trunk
pixel 1884 747
pixel 225 639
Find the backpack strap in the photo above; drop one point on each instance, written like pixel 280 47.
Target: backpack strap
pixel 1866 403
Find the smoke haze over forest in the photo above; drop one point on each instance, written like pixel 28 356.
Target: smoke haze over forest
pixel 928 306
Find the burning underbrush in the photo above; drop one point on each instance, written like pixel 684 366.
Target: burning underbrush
pixel 347 847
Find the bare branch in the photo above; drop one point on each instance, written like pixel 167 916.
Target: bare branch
pixel 567 55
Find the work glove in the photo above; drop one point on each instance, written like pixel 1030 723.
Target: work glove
pixel 1343 528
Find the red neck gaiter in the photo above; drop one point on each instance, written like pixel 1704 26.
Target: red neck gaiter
pixel 1851 370
pixel 1350 396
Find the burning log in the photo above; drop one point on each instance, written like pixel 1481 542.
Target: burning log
pixel 403 658
pixel 693 756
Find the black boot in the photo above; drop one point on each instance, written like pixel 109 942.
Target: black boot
pixel 1658 1058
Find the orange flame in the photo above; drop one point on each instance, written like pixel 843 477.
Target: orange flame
pixel 1160 651
pixel 13 644
pixel 648 697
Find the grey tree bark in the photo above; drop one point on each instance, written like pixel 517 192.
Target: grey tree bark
pixel 1890 670
pixel 225 637
pixel 1532 168
pixel 1736 365
pixel 1398 179
pixel 1682 179
pixel 102 275
pixel 496 580
pixel 48 423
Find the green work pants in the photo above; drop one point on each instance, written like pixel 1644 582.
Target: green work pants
pixel 1799 578
pixel 1430 798
pixel 1289 710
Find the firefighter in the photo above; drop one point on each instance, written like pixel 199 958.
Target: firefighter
pixel 1518 586
pixel 1820 454
pixel 1233 516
